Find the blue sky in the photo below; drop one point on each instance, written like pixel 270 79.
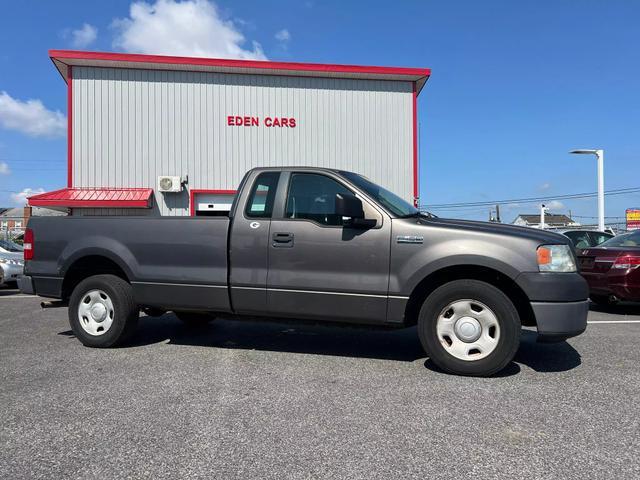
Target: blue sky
pixel 514 85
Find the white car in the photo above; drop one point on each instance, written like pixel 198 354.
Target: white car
pixel 11 261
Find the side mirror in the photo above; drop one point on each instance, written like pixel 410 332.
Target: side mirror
pixel 349 206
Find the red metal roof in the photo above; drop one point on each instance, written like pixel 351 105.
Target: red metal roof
pixel 94 197
pixel 63 59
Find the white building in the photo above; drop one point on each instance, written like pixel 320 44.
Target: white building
pixel 135 118
pixel 551 220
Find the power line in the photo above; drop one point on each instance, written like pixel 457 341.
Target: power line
pixel 488 203
pixel 588 216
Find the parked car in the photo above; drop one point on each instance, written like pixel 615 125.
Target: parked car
pixel 612 269
pixel 582 239
pixel 317 244
pixel 11 261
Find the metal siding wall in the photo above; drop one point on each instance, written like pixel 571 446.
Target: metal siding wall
pixel 129 126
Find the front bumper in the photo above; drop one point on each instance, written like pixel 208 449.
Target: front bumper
pixel 558 321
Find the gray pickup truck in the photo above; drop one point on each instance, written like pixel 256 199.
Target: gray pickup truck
pixel 315 244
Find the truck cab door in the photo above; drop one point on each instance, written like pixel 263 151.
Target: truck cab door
pixel 249 243
pixel 320 268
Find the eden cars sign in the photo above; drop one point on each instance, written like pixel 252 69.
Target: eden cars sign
pixel 247 121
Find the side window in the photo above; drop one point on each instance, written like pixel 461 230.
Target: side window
pixel 312 197
pixel 579 239
pixel 598 238
pixel 262 196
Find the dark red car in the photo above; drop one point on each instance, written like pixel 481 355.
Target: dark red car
pixel 612 269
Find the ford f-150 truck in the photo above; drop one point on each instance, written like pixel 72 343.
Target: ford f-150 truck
pixel 315 244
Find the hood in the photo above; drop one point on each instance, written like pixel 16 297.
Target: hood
pixel 540 236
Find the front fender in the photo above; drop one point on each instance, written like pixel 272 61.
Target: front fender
pixel 445 248
pixel 421 271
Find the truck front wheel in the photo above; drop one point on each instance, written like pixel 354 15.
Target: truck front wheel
pixel 102 311
pixel 469 327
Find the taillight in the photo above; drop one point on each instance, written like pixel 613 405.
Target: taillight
pixel 27 244
pixel 626 262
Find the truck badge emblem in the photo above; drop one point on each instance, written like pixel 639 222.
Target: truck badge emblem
pixel 409 239
pixel 254 224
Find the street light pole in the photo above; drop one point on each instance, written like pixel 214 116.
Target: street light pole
pixel 600 158
pixel 543 210
pixel 600 155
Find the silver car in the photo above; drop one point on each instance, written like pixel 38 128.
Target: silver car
pixel 11 261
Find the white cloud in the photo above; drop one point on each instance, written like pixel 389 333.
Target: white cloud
pixel 31 117
pixel 20 198
pixel 4 168
pixel 555 205
pixel 545 186
pixel 84 36
pixel 283 35
pixel 189 28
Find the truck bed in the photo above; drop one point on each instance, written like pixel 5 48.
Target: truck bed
pixel 171 262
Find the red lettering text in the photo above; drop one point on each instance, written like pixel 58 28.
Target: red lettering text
pixel 249 121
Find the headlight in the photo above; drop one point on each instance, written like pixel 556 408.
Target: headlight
pixel 556 258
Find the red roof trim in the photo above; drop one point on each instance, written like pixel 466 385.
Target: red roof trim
pixel 221 62
pixel 94 198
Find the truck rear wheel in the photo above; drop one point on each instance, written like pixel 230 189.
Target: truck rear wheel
pixel 102 311
pixel 469 327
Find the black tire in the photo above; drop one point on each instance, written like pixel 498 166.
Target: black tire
pixel 195 319
pixel 603 300
pixel 507 318
pixel 125 311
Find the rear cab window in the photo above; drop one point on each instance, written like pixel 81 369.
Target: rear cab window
pixel 262 196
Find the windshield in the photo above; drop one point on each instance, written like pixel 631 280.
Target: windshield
pixel 389 200
pixel 10 246
pixel 626 240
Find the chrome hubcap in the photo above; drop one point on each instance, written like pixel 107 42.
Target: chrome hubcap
pixel 95 312
pixel 468 329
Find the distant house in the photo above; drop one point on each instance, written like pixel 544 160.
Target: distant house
pixel 15 219
pixel 551 220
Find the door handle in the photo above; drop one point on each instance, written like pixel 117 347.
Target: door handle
pixel 282 240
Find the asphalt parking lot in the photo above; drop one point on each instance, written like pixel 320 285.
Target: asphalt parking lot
pixel 270 400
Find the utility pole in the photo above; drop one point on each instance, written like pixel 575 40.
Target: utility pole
pixel 498 213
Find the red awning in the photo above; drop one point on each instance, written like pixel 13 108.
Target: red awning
pixel 94 198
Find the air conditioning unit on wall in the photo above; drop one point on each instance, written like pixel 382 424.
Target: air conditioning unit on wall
pixel 169 184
